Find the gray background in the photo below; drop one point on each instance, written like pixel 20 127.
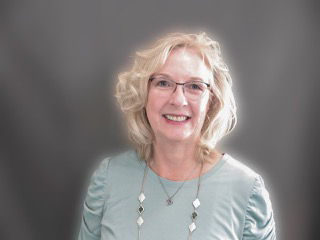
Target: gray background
pixel 58 65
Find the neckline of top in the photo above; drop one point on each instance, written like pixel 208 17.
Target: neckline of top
pixel 190 183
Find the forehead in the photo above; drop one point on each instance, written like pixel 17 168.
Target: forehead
pixel 186 63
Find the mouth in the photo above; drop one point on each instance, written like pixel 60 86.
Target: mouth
pixel 176 118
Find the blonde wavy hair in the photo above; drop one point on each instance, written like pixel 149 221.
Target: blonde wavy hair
pixel 132 93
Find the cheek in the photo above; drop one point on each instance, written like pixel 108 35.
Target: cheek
pixel 202 111
pixel 150 102
pixel 199 112
pixel 153 107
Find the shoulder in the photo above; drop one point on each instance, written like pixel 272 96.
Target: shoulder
pixel 237 173
pixel 236 166
pixel 120 168
pixel 127 160
pixel 124 158
pixel 100 175
pixel 109 168
pixel 241 182
pixel 124 162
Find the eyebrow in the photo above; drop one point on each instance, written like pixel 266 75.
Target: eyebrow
pixel 197 79
pixel 167 76
pixel 160 75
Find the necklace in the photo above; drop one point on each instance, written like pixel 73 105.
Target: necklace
pixel 195 204
pixel 170 199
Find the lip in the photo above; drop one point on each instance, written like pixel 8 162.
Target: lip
pixel 177 115
pixel 174 122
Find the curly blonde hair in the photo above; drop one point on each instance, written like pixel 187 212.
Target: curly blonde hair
pixel 132 93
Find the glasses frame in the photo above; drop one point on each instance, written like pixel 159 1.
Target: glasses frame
pixel 182 84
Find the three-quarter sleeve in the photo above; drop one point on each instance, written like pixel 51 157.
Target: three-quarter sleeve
pixel 94 204
pixel 259 221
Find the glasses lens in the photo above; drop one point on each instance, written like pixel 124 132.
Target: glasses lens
pixel 163 83
pixel 195 90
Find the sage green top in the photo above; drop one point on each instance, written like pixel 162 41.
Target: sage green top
pixel 234 203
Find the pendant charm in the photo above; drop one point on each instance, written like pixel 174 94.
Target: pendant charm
pixel 141 198
pixel 169 202
pixel 140 209
pixel 194 215
pixel 192 227
pixel 140 221
pixel 196 203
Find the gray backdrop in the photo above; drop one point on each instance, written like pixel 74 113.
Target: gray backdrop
pixel 58 65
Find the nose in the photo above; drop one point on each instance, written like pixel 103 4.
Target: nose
pixel 178 98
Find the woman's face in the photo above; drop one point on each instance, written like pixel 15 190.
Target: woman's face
pixel 167 115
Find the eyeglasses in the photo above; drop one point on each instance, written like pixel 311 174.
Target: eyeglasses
pixel 193 90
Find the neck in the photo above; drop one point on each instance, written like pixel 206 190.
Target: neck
pixel 175 161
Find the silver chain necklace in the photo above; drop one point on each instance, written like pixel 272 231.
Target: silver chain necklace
pixel 170 199
pixel 196 203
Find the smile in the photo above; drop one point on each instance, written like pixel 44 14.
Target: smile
pixel 176 118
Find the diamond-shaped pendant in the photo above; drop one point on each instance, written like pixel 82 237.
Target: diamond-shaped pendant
pixel 194 215
pixel 140 209
pixel 141 197
pixel 196 203
pixel 192 227
pixel 140 221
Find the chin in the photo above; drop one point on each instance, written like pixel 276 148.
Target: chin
pixel 178 137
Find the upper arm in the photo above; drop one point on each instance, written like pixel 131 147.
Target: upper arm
pixel 259 221
pixel 94 204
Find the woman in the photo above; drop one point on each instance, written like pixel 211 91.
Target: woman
pixel 176 185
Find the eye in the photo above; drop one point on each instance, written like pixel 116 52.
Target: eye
pixel 162 83
pixel 196 86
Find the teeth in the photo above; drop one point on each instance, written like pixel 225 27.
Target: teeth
pixel 177 119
